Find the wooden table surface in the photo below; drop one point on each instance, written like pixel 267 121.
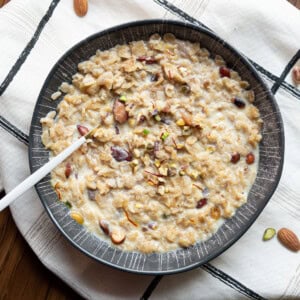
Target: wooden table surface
pixel 22 275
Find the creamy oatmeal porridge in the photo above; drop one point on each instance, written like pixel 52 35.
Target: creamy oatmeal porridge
pixel 176 151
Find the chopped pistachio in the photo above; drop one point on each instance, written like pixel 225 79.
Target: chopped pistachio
pixel 68 204
pixel 123 98
pixel 167 190
pixel 269 234
pixel 157 118
pixel 180 122
pixel 181 173
pixel 146 131
pixel 164 135
pixel 157 163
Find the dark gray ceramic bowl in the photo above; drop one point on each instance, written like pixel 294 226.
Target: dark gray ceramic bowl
pixel 269 170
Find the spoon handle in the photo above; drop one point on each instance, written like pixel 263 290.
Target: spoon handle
pixel 39 174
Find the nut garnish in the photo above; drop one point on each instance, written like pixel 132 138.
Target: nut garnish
pixel 81 7
pixel 117 237
pixel 288 239
pixel 120 112
pixel 296 74
pixel 269 234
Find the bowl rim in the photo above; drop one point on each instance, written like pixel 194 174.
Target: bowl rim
pixel 254 73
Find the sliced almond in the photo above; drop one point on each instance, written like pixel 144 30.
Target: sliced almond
pixel 81 7
pixel 120 112
pixel 289 239
pixel 104 226
pixel 117 237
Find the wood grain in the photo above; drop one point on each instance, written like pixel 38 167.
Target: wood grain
pixel 22 275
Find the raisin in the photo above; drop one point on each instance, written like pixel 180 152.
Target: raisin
pixel 201 203
pixel 250 158
pixel 235 157
pixel 238 102
pixel 224 72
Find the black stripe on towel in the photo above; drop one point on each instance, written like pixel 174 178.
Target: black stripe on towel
pixel 285 72
pixel 228 280
pixel 155 281
pixel 13 130
pixel 16 67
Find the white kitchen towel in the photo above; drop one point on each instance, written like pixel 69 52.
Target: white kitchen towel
pixel 33 36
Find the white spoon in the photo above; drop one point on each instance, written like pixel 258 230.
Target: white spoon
pixel 42 172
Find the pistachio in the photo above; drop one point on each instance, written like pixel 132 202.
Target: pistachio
pixel 123 98
pixel 157 118
pixel 269 234
pixel 146 131
pixel 164 135
pixel 68 204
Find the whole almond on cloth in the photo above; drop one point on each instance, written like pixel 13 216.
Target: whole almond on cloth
pixel 289 239
pixel 81 7
pixel 296 74
pixel 3 2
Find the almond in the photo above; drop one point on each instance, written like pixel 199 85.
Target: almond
pixel 120 112
pixel 3 2
pixel 289 239
pixel 296 74
pixel 117 237
pixel 81 7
